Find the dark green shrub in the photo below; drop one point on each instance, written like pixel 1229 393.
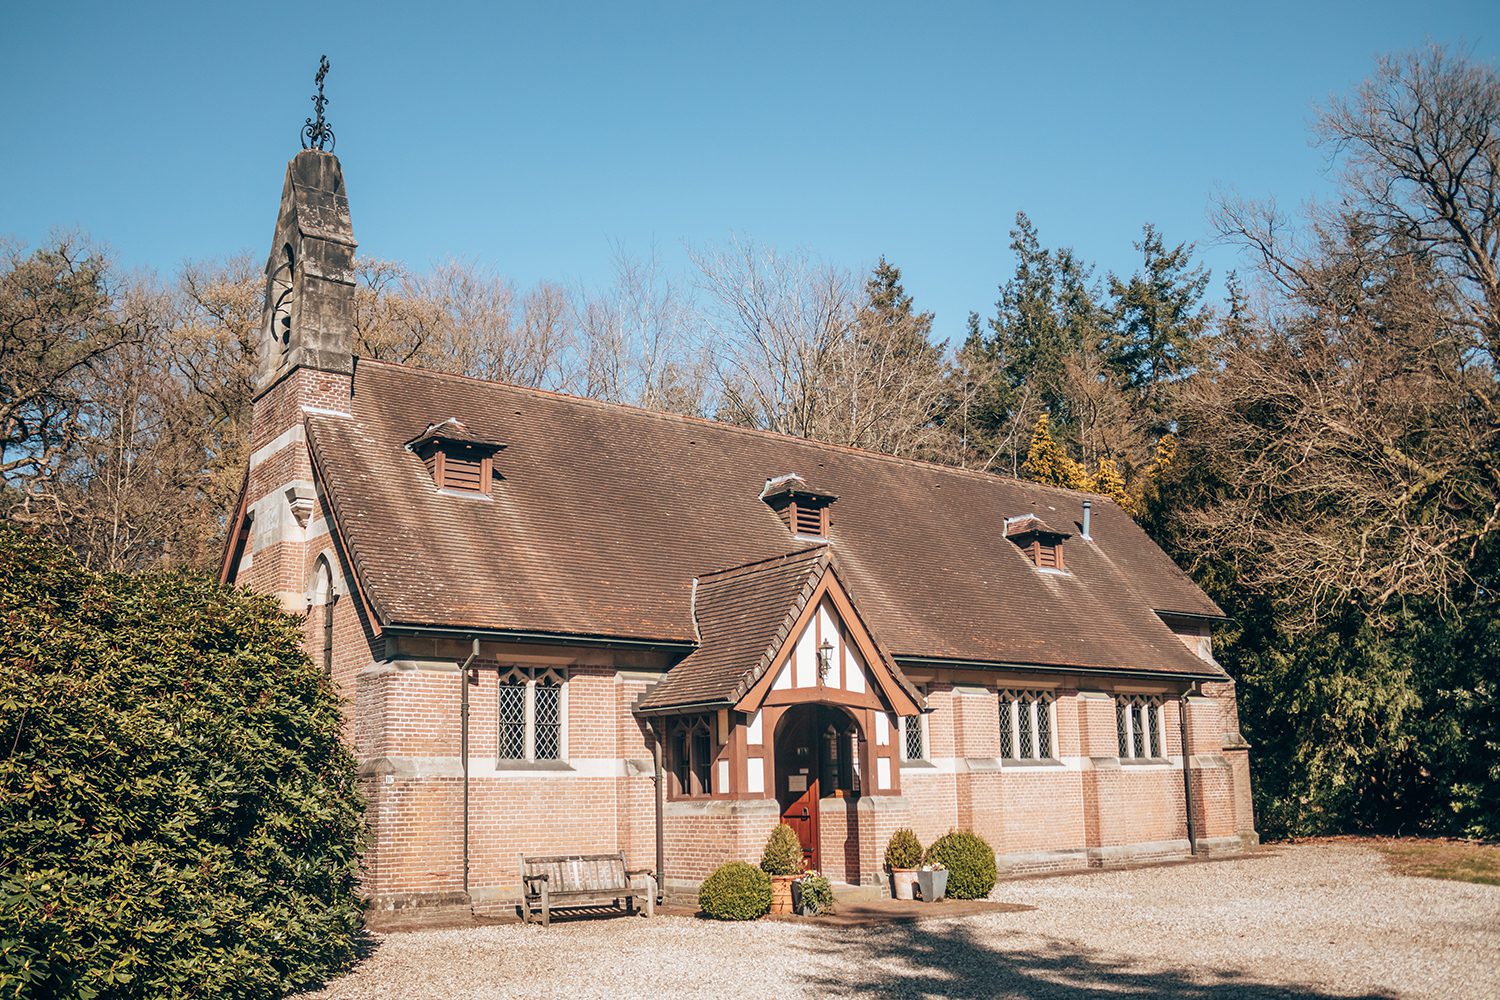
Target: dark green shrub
pixel 815 895
pixel 736 891
pixel 904 850
pixel 783 853
pixel 970 862
pixel 178 812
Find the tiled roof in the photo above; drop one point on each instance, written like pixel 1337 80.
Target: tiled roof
pixel 602 515
pixel 744 616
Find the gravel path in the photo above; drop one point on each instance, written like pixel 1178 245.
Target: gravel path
pixel 1306 921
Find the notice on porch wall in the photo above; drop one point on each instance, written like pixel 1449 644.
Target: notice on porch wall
pixel 796 782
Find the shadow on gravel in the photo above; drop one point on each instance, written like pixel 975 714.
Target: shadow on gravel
pixel 952 961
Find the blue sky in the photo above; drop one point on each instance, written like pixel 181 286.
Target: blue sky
pixel 529 138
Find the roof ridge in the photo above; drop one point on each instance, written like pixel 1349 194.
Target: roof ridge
pixel 684 418
pixel 742 569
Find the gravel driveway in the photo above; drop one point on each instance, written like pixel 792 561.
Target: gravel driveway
pixel 1311 920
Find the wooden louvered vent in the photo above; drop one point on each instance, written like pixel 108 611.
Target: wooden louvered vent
pixel 454 464
pixel 803 509
pixel 807 521
pixel 1041 544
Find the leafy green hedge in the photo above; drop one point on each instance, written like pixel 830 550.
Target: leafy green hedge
pixel 178 813
pixel 970 861
pixel 736 891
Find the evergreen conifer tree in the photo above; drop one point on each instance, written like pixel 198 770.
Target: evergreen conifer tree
pixel 1047 462
pixel 1159 323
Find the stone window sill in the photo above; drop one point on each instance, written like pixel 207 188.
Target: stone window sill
pixel 532 765
pixel 1143 761
pixel 918 765
pixel 1029 763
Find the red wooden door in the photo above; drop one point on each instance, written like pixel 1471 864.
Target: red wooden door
pixel 797 783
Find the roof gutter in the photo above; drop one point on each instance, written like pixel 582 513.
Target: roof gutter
pixel 685 707
pixel 1213 619
pixel 556 638
pixel 1057 668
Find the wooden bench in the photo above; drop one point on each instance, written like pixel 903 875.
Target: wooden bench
pixel 580 880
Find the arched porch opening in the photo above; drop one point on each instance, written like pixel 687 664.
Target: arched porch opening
pixel 820 763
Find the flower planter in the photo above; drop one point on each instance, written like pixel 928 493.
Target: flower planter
pixel 781 893
pixel 933 885
pixel 903 882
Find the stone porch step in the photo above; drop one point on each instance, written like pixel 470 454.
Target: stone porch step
pixel 845 894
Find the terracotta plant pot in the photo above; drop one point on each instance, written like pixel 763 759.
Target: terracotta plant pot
pixel 903 883
pixel 781 893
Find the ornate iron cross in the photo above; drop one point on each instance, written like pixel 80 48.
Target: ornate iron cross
pixel 316 133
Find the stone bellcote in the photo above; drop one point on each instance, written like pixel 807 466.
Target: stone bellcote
pixel 308 317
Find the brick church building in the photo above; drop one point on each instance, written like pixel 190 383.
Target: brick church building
pixel 560 625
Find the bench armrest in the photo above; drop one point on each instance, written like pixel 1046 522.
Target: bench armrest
pixel 638 871
pixel 538 877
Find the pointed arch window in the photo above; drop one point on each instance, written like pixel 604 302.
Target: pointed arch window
pixel 690 752
pixel 1139 724
pixel 1026 725
pixel 532 714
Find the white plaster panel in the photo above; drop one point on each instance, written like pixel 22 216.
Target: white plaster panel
pixel 856 680
pixel 882 772
pixel 755 775
pixel 806 657
pixel 829 625
pixel 783 678
pixel 722 785
pixel 753 731
pixel 882 729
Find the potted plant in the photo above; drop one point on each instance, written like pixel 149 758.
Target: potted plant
pixel 902 855
pixel 812 894
pixel 932 881
pixel 782 860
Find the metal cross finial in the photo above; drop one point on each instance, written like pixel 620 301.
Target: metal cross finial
pixel 316 133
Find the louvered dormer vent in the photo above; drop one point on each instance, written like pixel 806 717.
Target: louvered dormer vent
pixel 454 459
pixel 803 509
pixel 1042 545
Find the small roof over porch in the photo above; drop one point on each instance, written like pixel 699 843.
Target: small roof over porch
pixel 748 617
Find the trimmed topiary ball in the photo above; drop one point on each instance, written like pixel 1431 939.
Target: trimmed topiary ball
pixel 970 862
pixel 783 854
pixel 904 850
pixel 736 891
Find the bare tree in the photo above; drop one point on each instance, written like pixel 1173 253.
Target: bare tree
pixel 1420 146
pixel 58 327
pixel 461 318
pixel 638 341
pixel 776 321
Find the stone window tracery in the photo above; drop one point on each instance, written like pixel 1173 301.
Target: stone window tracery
pixel 1139 727
pixel 531 711
pixel 1026 725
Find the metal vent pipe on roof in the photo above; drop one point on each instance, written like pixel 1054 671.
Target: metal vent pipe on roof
pixel 1088 518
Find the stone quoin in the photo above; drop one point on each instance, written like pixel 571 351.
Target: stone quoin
pixel 593 598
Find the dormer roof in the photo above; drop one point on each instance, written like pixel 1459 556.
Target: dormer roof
pixel 1029 526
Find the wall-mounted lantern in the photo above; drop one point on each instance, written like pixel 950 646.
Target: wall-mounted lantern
pixel 825 659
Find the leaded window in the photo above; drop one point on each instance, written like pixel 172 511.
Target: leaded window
pixel 914 733
pixel 1139 724
pixel 512 720
pixel 548 723
pixel 1026 725
pixel 690 747
pixel 532 712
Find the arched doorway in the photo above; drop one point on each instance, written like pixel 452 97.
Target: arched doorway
pixel 817 756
